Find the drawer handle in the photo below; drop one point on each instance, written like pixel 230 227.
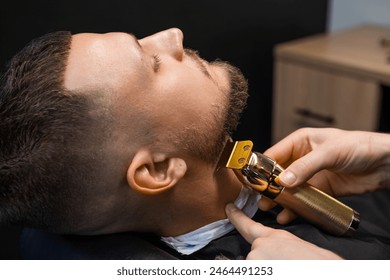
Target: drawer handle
pixel 309 114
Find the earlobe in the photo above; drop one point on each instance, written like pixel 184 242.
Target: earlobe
pixel 153 173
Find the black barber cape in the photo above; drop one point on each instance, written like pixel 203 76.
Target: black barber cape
pixel 371 241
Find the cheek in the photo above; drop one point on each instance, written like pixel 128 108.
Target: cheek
pixel 188 94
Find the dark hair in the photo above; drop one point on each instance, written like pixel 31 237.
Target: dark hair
pixel 43 128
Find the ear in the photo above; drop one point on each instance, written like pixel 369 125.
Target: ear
pixel 152 173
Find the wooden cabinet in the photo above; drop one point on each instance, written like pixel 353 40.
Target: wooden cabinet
pixel 331 80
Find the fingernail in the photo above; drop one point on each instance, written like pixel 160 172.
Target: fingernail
pixel 287 177
pixel 231 207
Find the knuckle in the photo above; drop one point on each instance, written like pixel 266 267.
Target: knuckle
pixel 257 243
pixel 303 132
pixel 304 165
pixel 255 255
pixel 282 234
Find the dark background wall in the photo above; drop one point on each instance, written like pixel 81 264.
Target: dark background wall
pixel 243 32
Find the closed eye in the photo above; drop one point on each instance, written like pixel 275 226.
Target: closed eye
pixel 156 62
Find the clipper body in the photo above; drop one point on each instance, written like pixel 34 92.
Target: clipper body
pixel 259 173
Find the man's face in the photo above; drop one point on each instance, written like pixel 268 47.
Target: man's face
pixel 158 86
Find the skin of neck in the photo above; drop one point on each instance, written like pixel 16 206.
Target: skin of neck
pixel 196 201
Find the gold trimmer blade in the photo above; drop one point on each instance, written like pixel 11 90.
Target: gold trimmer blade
pixel 236 154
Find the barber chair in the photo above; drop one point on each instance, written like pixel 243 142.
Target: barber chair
pixel 36 244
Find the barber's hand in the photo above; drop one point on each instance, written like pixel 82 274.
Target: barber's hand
pixel 268 243
pixel 336 161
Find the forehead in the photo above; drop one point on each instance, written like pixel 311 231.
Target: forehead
pixel 101 60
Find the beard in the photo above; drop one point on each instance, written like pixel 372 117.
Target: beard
pixel 208 144
pixel 238 95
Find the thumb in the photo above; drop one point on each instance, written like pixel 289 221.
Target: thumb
pixel 301 170
pixel 248 228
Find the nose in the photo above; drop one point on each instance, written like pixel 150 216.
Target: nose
pixel 169 42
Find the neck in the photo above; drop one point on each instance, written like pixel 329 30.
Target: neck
pixel 198 202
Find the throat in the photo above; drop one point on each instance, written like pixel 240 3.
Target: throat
pixel 202 203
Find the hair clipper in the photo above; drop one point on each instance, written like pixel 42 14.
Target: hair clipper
pixel 258 172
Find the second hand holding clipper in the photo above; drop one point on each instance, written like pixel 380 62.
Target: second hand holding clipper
pixel 259 172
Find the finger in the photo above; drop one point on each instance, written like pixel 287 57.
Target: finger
pixel 285 217
pixel 293 146
pixel 248 228
pixel 281 152
pixel 266 204
pixel 303 169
